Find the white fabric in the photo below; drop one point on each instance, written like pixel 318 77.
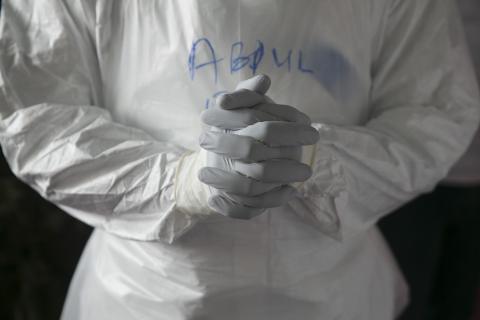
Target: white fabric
pixel 467 171
pixel 98 103
pixel 191 194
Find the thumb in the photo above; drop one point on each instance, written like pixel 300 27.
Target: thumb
pixel 259 83
pixel 248 93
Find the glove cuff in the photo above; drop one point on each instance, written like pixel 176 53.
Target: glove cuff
pixel 191 195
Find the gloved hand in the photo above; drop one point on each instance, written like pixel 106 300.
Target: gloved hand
pixel 192 196
pixel 252 165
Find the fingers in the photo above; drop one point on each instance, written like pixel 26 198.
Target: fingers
pixel 258 105
pixel 240 99
pixel 281 134
pixel 234 183
pixel 260 84
pixel 274 171
pixel 242 117
pixel 234 119
pixel 248 93
pixel 229 208
pixel 245 148
pixel 274 198
pixel 248 99
pixel 247 207
pixel 284 112
pixel 263 151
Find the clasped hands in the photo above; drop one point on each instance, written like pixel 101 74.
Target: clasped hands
pixel 254 149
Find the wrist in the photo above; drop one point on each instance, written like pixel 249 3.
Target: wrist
pixel 191 195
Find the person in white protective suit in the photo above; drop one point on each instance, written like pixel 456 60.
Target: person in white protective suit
pixel 101 107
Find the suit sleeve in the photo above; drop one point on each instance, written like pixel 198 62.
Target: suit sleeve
pixel 58 138
pixel 424 112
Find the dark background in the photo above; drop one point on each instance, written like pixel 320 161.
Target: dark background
pixel 435 238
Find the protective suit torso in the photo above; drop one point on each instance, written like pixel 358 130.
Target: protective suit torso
pixel 101 98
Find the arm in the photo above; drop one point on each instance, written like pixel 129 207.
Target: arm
pixel 57 137
pixel 425 109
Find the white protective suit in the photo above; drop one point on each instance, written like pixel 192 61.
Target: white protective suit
pixel 99 99
pixel 466 173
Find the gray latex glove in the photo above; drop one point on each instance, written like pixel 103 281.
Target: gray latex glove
pixel 253 165
pixel 244 107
